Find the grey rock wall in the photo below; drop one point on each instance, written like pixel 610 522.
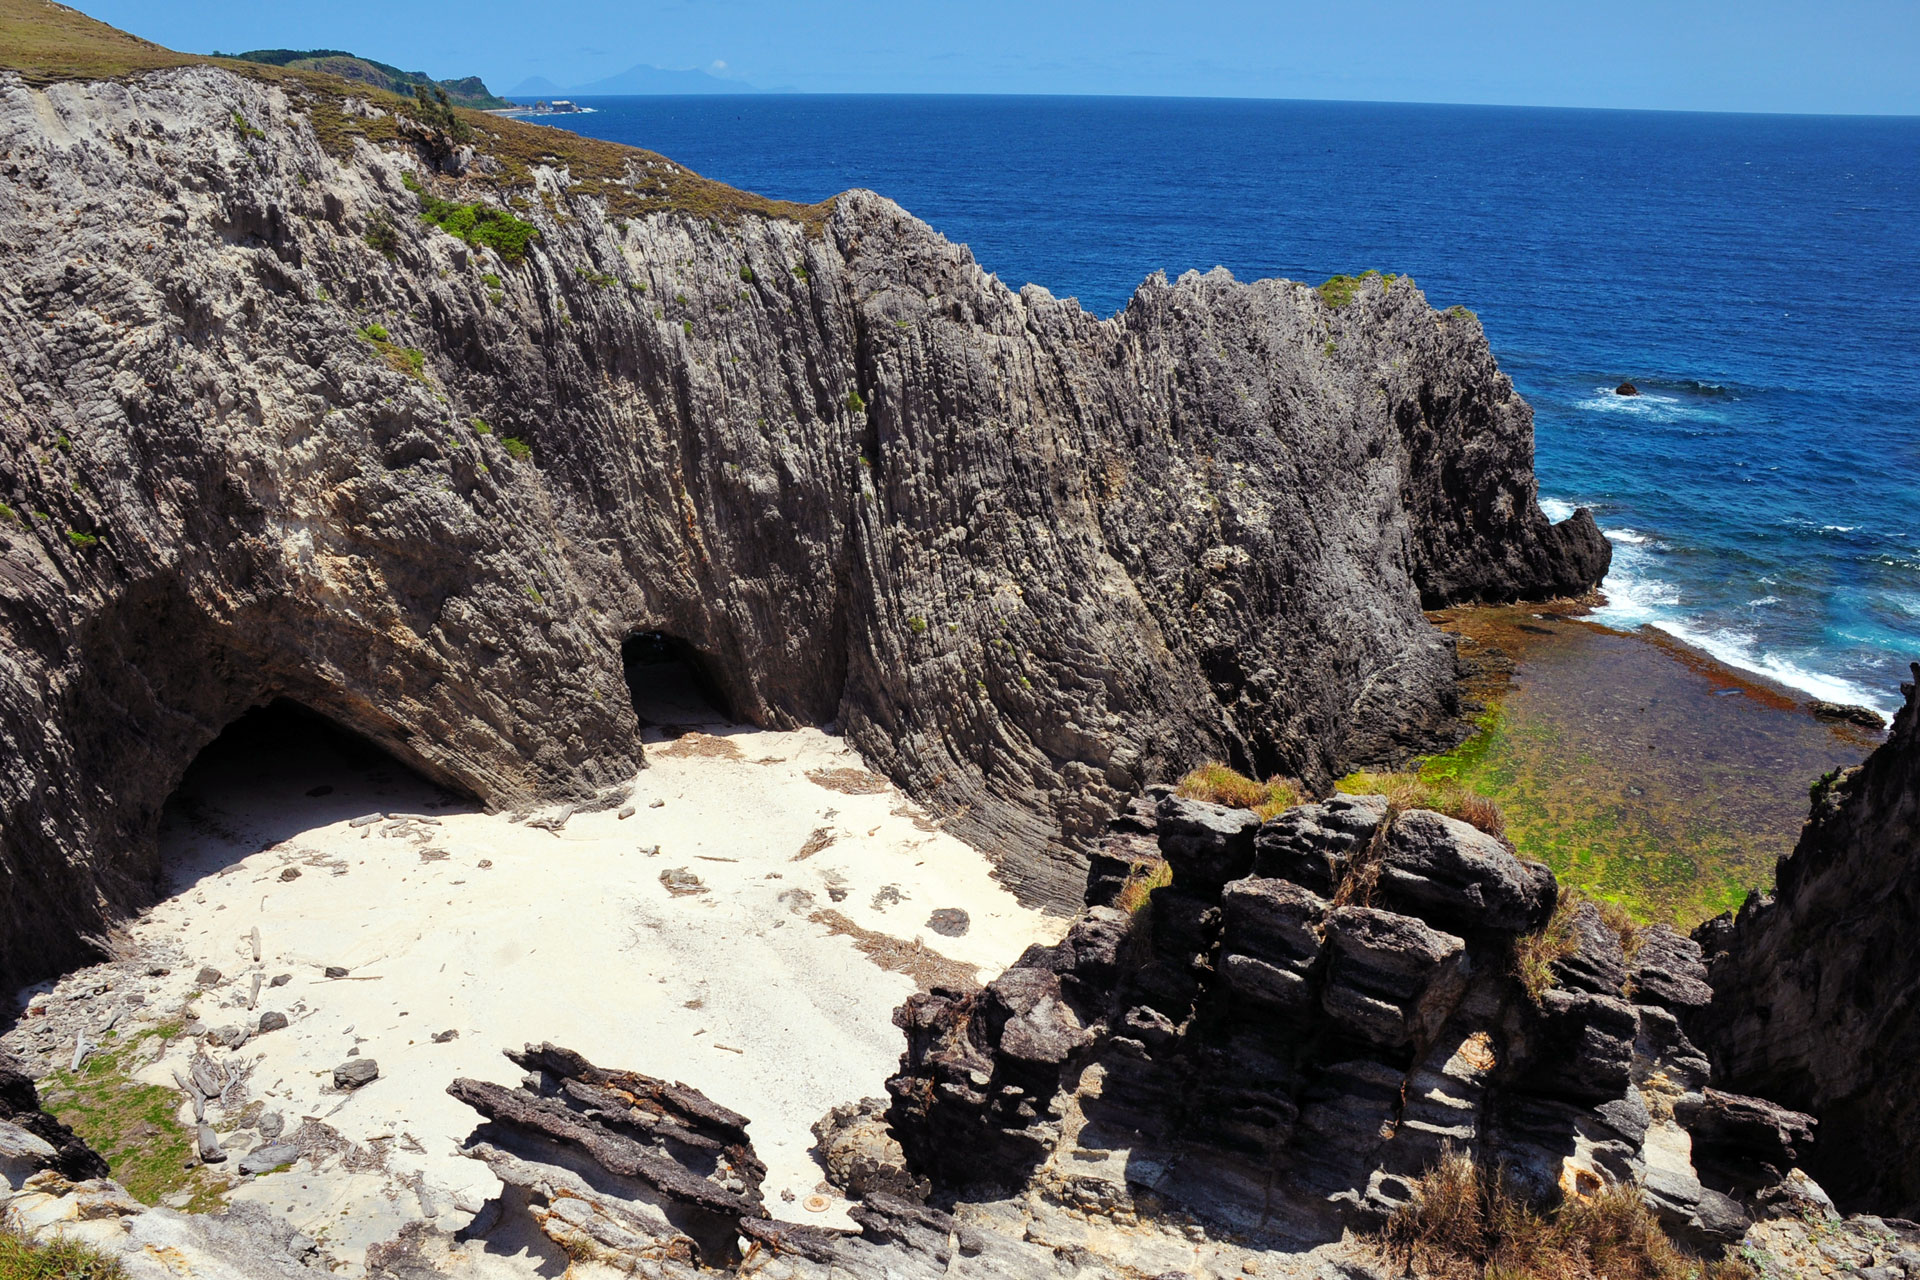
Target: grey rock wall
pixel 1813 987
pixel 1051 558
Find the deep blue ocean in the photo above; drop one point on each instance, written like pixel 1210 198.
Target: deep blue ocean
pixel 1755 276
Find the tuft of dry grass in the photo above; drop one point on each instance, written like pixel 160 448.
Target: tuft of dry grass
pixel 848 782
pixel 1534 953
pixel 1137 892
pixel 1215 783
pixel 58 1259
pixel 1442 795
pixel 700 745
pixel 1465 1224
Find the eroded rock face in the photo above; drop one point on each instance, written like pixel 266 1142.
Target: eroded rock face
pixel 1030 560
pixel 1812 989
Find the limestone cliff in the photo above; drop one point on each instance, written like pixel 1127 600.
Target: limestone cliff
pixel 265 431
pixel 1814 987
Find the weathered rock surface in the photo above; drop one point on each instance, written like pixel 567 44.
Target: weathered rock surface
pixel 1029 559
pixel 1282 1064
pixel 38 1141
pixel 1812 1000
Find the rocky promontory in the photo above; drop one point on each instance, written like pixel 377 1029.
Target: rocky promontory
pixel 415 419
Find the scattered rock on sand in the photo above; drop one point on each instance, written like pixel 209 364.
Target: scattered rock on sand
pixel 272 1020
pixel 270 1124
pixel 291 873
pixel 210 1145
pixel 950 922
pixel 366 819
pixel 335 971
pixel 281 980
pixel 207 977
pixel 355 1073
pixel 268 1158
pixel 441 1037
pixel 229 1037
pixel 681 882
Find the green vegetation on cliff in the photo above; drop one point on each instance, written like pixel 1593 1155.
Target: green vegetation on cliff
pixel 468 91
pixel 46 43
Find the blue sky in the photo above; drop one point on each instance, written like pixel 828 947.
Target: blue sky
pixel 1751 55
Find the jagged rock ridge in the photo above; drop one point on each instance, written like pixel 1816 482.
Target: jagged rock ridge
pixel 1028 559
pixel 1813 986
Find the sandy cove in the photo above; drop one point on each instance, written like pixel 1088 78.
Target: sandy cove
pixel 730 932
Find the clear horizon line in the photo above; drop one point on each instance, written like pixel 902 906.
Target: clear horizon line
pixel 1232 97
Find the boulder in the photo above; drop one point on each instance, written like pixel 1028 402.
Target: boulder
pixel 1459 877
pixel 1741 1143
pixel 1848 713
pixel 207 977
pixel 1271 943
pixel 1669 970
pixel 1626 389
pixel 268 1158
pixel 272 1020
pixel 1206 844
pixel 1312 844
pixel 1598 962
pixel 1576 1045
pixel 355 1073
pixel 1391 979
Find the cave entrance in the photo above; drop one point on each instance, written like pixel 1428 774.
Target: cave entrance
pixel 275 772
pixel 671 685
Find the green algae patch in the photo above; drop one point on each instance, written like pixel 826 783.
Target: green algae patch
pixel 135 1126
pixel 1644 774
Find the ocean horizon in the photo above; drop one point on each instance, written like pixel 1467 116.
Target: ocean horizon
pixel 1750 274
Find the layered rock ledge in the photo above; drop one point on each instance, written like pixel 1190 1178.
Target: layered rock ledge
pixel 266 432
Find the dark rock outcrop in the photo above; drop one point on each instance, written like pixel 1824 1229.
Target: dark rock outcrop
pixel 254 416
pixel 1317 1042
pixel 1813 988
pixel 58 1147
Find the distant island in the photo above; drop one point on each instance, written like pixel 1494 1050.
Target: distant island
pixel 468 91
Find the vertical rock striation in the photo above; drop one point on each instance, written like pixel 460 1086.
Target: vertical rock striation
pixel 254 426
pixel 1814 987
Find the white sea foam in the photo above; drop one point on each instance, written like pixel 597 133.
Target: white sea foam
pixel 1637 597
pixel 1556 510
pixel 1755 604
pixel 1632 537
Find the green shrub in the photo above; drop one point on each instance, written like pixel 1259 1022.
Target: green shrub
pixel 746 273
pixel 246 129
pixel 480 225
pixel 8 513
pixel 686 327
pixel 375 332
pixel 435 109
pixel 516 448
pixel 917 624
pixel 491 280
pixel 800 269
pixel 480 427
pixel 854 403
pixel 598 279
pixel 80 539
pixel 383 235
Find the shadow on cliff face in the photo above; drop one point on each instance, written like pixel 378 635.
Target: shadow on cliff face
pixel 671 683
pixel 275 772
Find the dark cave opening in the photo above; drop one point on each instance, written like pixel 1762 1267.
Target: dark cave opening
pixel 276 771
pixel 671 683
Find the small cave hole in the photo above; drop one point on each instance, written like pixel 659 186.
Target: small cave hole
pixel 671 684
pixel 274 773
